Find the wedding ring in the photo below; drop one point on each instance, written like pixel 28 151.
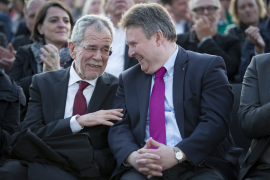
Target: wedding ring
pixel 53 55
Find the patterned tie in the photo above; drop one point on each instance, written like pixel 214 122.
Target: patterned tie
pixel 157 110
pixel 80 106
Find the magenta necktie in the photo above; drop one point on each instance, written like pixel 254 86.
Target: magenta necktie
pixel 80 106
pixel 157 110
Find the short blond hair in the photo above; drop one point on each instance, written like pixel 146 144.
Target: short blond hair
pixel 233 10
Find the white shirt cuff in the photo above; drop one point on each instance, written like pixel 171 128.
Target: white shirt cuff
pixel 74 125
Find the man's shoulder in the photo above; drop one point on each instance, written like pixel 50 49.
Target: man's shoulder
pixel 226 38
pixel 109 78
pixel 262 60
pixel 52 75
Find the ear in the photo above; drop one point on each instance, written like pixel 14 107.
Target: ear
pixel 39 28
pixel 72 52
pixel 159 37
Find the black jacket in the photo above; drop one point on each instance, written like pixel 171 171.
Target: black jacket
pixel 10 97
pixel 226 46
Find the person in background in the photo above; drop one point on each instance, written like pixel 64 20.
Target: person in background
pixel 245 13
pixel 51 31
pixel 92 7
pixel 204 37
pixel 257 42
pixel 119 60
pixel 5 19
pixel 179 11
pixel 225 16
pixel 30 10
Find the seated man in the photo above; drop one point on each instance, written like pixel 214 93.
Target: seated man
pixel 67 121
pixel 204 37
pixel 177 107
pixel 254 114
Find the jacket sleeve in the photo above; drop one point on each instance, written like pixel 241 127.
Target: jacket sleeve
pixel 215 106
pixel 34 118
pixel 252 115
pixel 120 138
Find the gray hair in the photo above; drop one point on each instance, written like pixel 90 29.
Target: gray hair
pixel 192 4
pixel 95 21
pixel 152 17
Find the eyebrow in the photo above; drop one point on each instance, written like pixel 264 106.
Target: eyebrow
pixel 58 17
pixel 90 45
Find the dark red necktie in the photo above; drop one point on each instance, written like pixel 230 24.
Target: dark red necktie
pixel 156 110
pixel 80 106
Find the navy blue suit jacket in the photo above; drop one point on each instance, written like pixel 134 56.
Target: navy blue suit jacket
pixel 203 101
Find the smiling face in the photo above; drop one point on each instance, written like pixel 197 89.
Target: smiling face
pixel 248 12
pixel 143 49
pixel 55 27
pixel 91 65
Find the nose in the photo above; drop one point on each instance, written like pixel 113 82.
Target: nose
pixel 61 23
pixel 97 55
pixel 131 52
pixel 205 11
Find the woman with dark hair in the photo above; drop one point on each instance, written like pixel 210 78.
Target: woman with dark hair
pixel 49 52
pixel 245 13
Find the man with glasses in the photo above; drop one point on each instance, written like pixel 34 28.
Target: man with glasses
pixel 204 38
pixel 70 106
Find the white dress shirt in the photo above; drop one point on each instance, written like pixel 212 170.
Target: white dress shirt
pixel 73 87
pixel 180 27
pixel 116 62
pixel 173 135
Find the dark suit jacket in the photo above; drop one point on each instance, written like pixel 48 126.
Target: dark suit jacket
pixel 254 111
pixel 226 46
pixel 10 97
pixel 46 108
pixel 202 103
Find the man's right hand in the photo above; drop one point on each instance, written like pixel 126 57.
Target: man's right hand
pixel 254 36
pixel 149 166
pixel 100 117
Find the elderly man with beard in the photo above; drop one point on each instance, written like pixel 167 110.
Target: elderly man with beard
pixel 64 134
pixel 204 38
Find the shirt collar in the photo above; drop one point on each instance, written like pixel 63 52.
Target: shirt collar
pixel 74 77
pixel 169 65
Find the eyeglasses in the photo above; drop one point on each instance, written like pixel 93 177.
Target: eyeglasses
pixel 210 9
pixel 91 49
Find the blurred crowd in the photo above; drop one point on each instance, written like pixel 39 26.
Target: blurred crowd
pixel 236 30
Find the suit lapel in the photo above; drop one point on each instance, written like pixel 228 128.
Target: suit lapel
pixel 143 85
pixel 99 94
pixel 60 94
pixel 178 88
pixel 33 62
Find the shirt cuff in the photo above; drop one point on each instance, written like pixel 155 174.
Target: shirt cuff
pixel 74 125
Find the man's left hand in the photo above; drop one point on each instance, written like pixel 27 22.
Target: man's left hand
pixel 167 154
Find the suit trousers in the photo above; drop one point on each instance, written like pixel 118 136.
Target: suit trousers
pixel 183 171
